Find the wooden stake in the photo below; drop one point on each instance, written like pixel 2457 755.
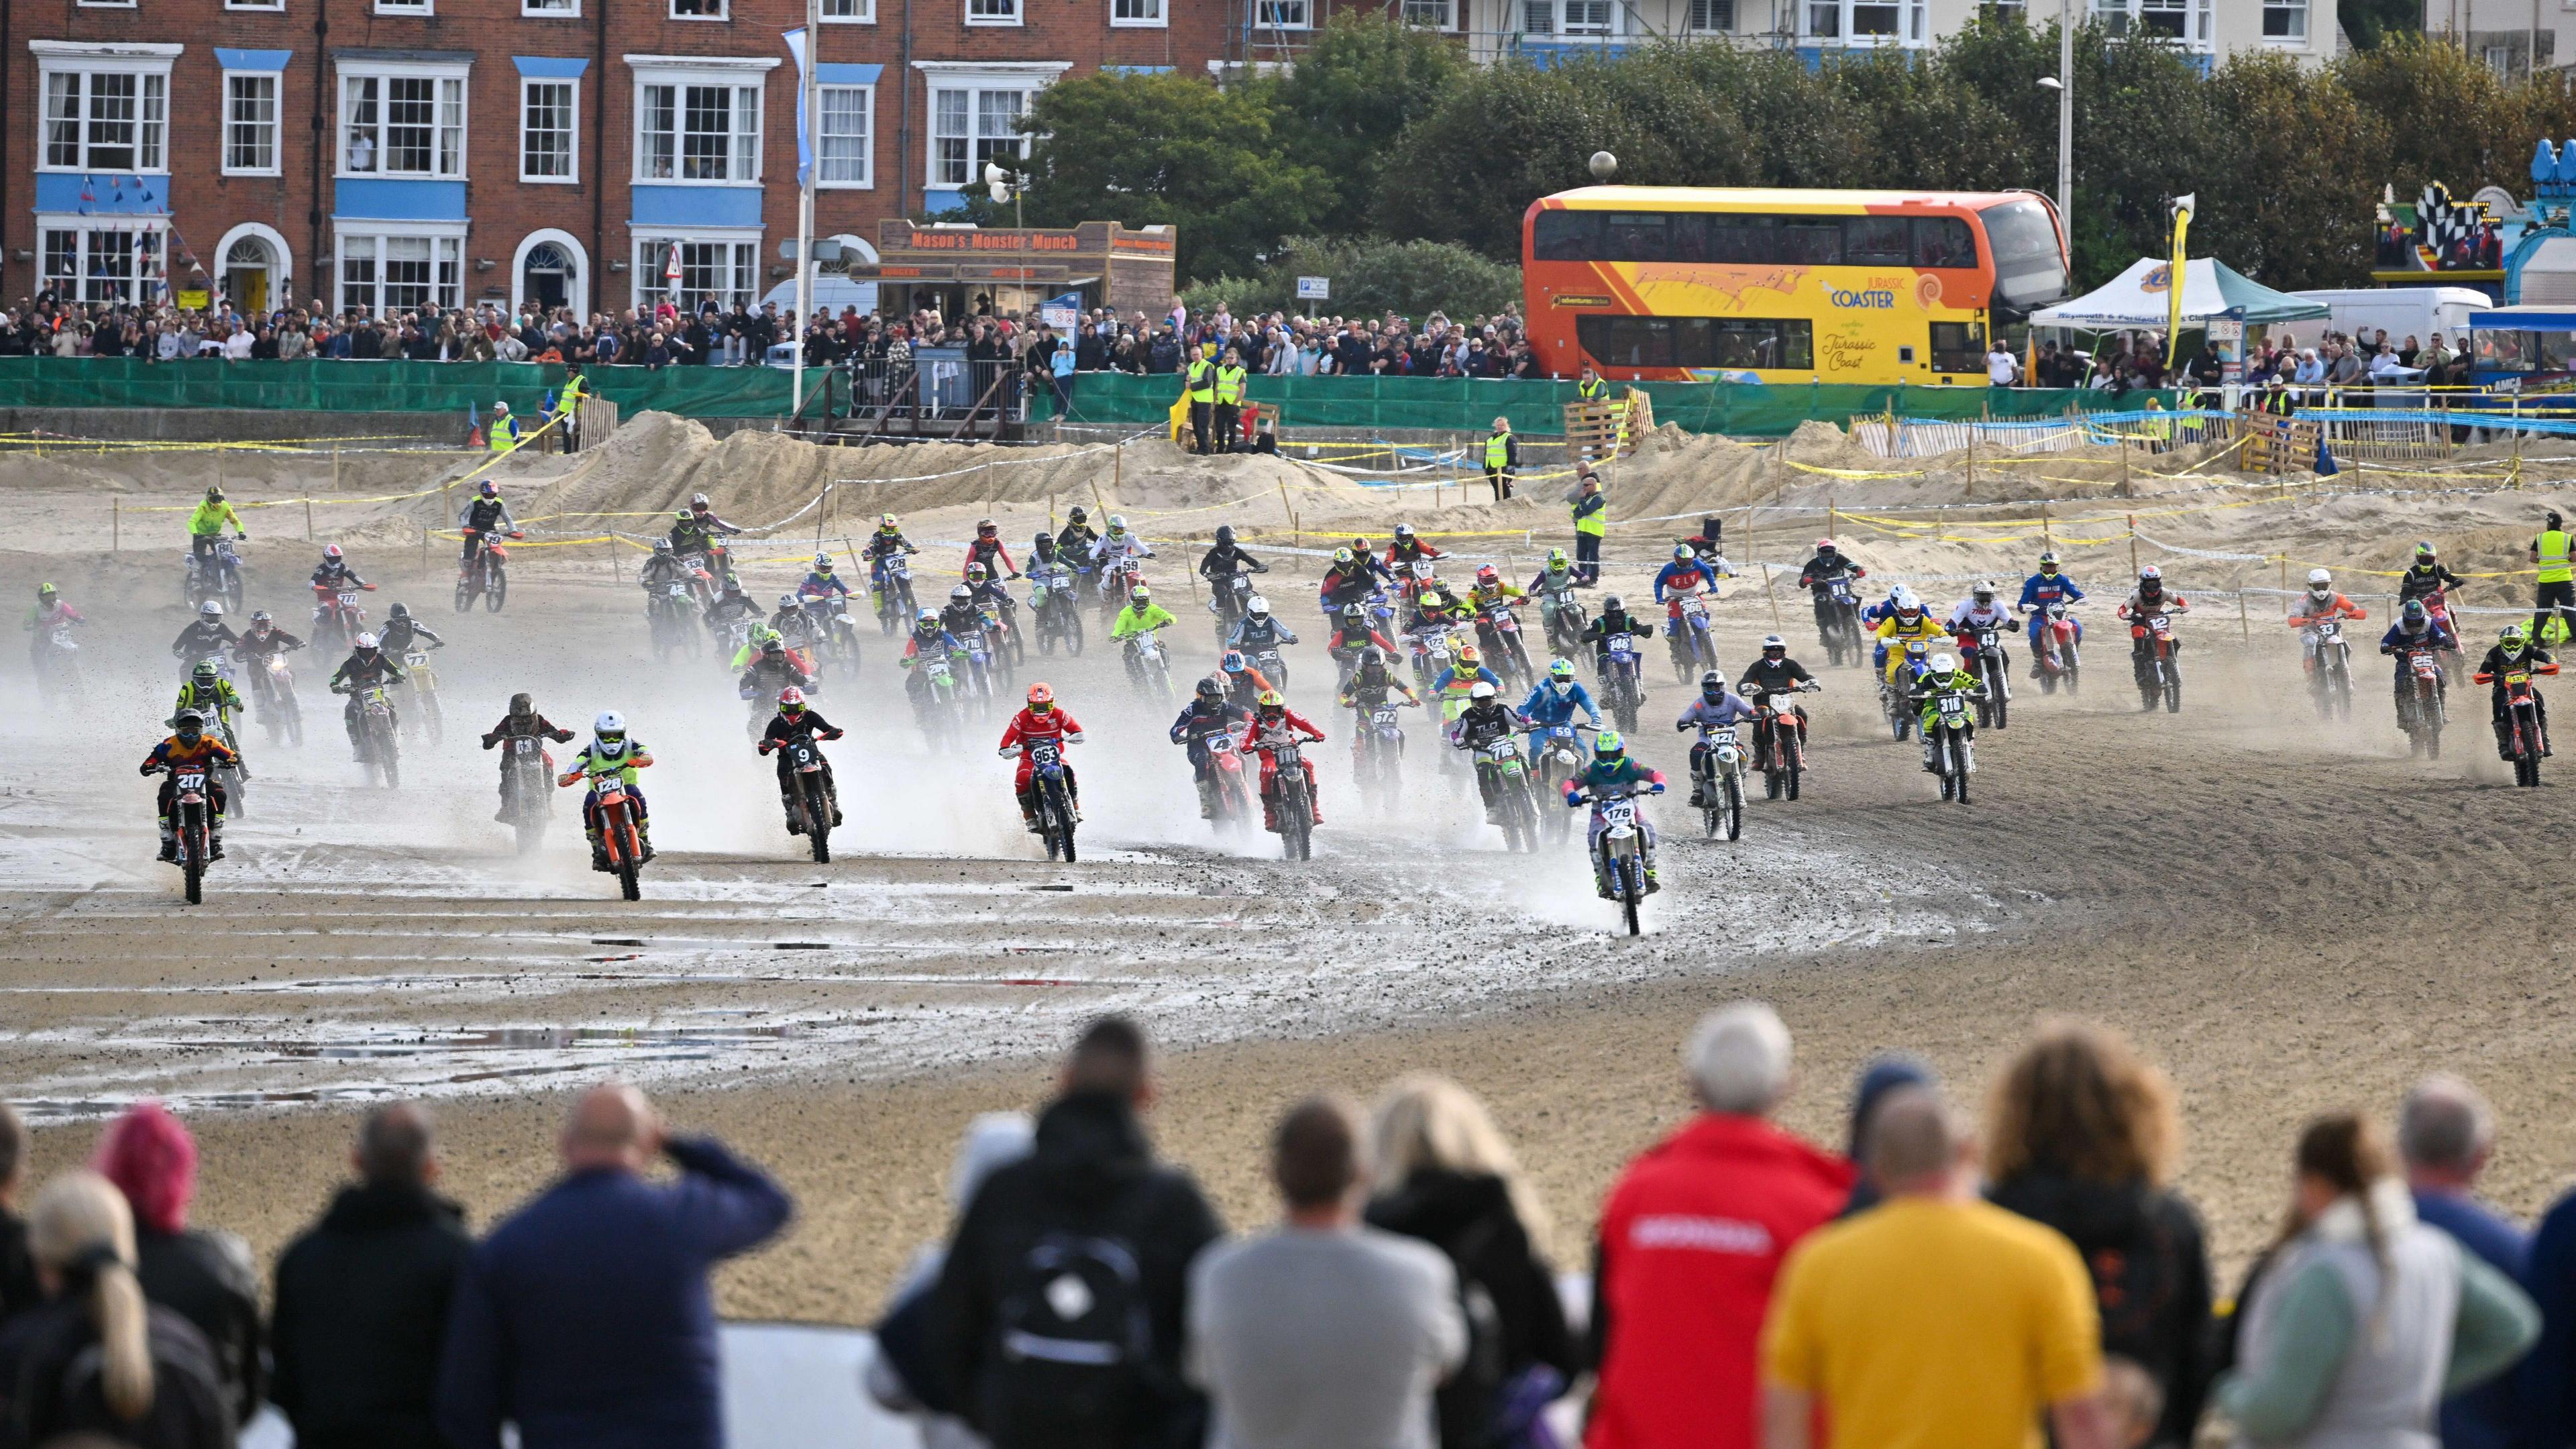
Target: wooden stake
pixel 2243 625
pixel 2133 540
pixel 308 520
pixel 115 524
pixel 2045 540
pixel 2124 465
pixel 1971 490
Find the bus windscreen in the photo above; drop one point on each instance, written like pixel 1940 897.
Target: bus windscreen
pixel 2029 269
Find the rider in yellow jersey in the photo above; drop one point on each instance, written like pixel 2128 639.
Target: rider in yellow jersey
pixel 1909 620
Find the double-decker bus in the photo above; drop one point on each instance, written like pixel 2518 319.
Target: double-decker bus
pixel 1669 284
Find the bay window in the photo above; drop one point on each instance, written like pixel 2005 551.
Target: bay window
pixel 402 123
pixel 1862 22
pixel 101 259
pixel 107 120
pixel 2185 22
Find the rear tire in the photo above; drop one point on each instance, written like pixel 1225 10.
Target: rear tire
pixel 499 590
pixel 1631 894
pixel 818 821
pixel 1734 808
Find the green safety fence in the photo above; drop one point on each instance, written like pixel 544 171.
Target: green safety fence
pixel 322 385
pixel 1454 404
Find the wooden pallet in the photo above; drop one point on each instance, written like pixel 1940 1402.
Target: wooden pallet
pixel 2276 445
pixel 1610 426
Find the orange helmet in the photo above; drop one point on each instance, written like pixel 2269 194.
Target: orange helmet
pixel 1041 698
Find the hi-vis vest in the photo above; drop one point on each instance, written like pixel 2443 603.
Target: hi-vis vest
pixel 1200 374
pixel 1498 450
pixel 505 433
pixel 1593 391
pixel 1229 384
pixel 2554 566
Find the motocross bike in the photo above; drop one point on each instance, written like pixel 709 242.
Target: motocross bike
pixel 673 612
pixel 619 851
pixel 216 575
pixel 2329 668
pixel 827 623
pixel 2526 739
pixel 2159 673
pixel 379 747
pixel 192 825
pixel 1149 670
pixel 1622 687
pixel 1226 594
pixel 939 708
pixel 1230 804
pixel 1499 760
pixel 425 714
pixel 1782 749
pixel 1687 636
pixel 1619 854
pixel 2056 657
pixel 1273 667
pixel 526 802
pixel 812 794
pixel 57 661
pixel 1500 634
pixel 272 688
pixel 1718 779
pixel 892 588
pixel 338 619
pixel 1377 750
pixel 1896 699
pixel 1947 726
pixel 1557 757
pixel 1055 797
pixel 1839 622
pixel 1292 811
pixel 1981 648
pixel 2423 701
pixel 485 573
pixel 1566 621
pixel 1055 610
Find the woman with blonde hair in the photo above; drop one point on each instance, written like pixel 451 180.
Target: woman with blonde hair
pixel 2081 1134
pixel 96 1359
pixel 1444 1174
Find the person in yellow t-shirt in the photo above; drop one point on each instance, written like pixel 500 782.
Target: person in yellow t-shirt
pixel 1935 1320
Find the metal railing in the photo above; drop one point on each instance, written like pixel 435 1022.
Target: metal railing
pixel 936 394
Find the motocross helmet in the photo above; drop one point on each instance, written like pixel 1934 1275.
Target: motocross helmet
pixel 2512 640
pixel 1481 692
pixel 2415 616
pixel 1556 560
pixel 975 573
pixel 683 516
pixel 1607 745
pixel 961 594
pixel 1945 663
pixel 1682 553
pixel 1043 545
pixel 1561 671
pixel 887 524
pixel 1117 523
pixel 1403 532
pixel 2047 564
pixel 610 727
pixel 773 647
pixel 1041 698
pixel 2151 575
pixel 785 601
pixel 214 493
pixel 2320 585
pixel 364 644
pixel 1433 600
pixel 191 726
pixel 732 587
pixel 45 591
pixel 1611 604
pixel 986 528
pixel 791 702
pixel 698 503
pixel 490 489
pixel 1225 535
pixel 1370 656
pixel 398 612
pixel 211 609
pixel 1232 663
pixel 204 675
pixel 823 564
pixel 1211 688
pixel 1075 514
pixel 331 553
pixel 1140 596
pixel 2424 550
pixel 926 620
pixel 1712 686
pixel 1257 606
pixel 1774 647
pixel 258 621
pixel 1344 557
pixel 1470 657
pixel 1984 592
pixel 522 705
pixel 1824 545
pixel 1487 573
pixel 1271 705
pixel 662 546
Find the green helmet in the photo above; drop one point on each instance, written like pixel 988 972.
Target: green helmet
pixel 45 591
pixel 1607 745
pixel 2512 639
pixel 1556 559
pixel 683 516
pixel 204 674
pixel 2424 553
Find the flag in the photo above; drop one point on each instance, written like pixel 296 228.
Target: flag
pixel 804 135
pixel 2182 209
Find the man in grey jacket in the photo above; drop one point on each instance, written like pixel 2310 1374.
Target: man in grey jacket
pixel 1323 1334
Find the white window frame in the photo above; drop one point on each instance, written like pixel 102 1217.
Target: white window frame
pixel 1550 18
pixel 105 4
pixel 1445 21
pixel 254 4
pixel 2199 28
pixel 1692 8
pixel 1912 25
pixel 1283 14
pixel 441 74
pixel 645 286
pixel 867 177
pixel 1027 77
pixel 48 223
pixel 723 11
pixel 146 61
pixel 571 129
pixel 406 7
pixel 2305 10
pixel 276 128
pixel 1160 19
pixel 446 237
pixel 1018 12
pixel 682 72
pixel 550 9
pixel 861 12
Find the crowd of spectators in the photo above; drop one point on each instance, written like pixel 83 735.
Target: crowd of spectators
pixel 1931 1282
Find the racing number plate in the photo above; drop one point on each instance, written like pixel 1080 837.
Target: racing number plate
pixel 1952 707
pixel 524 745
pixel 1619 812
pixel 192 781
pixel 1623 644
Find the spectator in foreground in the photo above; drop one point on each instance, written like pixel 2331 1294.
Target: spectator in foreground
pixel 1691 1240
pixel 1445 1175
pixel 18 1291
pixel 363 1297
pixel 2546 1383
pixel 903 1377
pixel 2082 1135
pixel 585 1317
pixel 1884 1074
pixel 1933 1308
pixel 2365 1318
pixel 1089 1206
pixel 205 1277
pixel 2445 1134
pixel 1322 1334
pixel 97 1358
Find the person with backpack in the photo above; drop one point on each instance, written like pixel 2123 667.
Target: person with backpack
pixel 1446 1176
pixel 1060 1309
pixel 97 1359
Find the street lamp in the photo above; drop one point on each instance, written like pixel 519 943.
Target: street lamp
pixel 2064 84
pixel 999 181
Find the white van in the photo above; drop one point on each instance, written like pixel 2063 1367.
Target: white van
pixel 2361 312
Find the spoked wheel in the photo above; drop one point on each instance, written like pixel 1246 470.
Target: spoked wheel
pixel 499 590
pixel 1734 787
pixel 431 719
pixel 818 820
pixel 464 596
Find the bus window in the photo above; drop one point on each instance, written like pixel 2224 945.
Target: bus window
pixel 1958 347
pixel 1566 236
pixel 1877 241
pixel 1690 236
pixel 1807 243
pixel 1943 241
pixel 1738 240
pixel 1635 236
pixel 2030 270
pixel 1626 341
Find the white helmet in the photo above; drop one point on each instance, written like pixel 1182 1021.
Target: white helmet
pixel 1481 690
pixel 1118 523
pixel 2320 582
pixel 2150 572
pixel 211 609
pixel 1903 598
pixel 364 641
pixel 610 722
pixel 1256 605
pixel 1945 663
pixel 1985 589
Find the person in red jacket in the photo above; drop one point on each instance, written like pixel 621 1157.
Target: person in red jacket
pixel 1274 719
pixel 988 550
pixel 1042 720
pixel 1691 1239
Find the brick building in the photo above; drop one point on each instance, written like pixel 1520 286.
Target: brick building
pixel 391 152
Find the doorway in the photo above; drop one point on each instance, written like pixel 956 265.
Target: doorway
pixel 546 278
pixel 248 268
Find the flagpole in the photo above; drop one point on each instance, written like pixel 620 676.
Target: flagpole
pixel 807 144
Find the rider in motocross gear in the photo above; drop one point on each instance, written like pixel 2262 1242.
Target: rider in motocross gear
pixel 1272 717
pixel 1077 536
pixel 704 517
pixel 1553 586
pixel 1433 609
pixel 1353 631
pixel 2042 589
pixel 2425 576
pixel 793 719
pixel 2416 628
pixel 1405 549
pixel 484 515
pixel 929 636
pixel 1224 561
pixel 334 572
pixel 1716 706
pixel 1141 614
pixel 1829 564
pixel 367 667
pixel 2514 649
pixel 1975 613
pixel 1456 684
pixel 521 722
pixel 610 747
pixel 207 635
pixel 2150 599
pixel 1370 681
pixel 662 569
pixel 1243 684
pixel 1614 619
pixel 1908 620
pixel 1041 720
pixel 987 548
pixel 1482 720
pixel 773 671
pixel 262 639
pixel 1611 769
pixel 2317 605
pixel 820 582
pixel 1943 677
pixel 961 616
pixel 731 606
pixel 50 613
pixel 1688 573
pixel 1118 546
pixel 1259 629
pixel 790 621
pixel 1348 581
pixel 192 748
pixel 1207 714
pixel 1775 673
pixel 402 630
pixel 1555 698
pixel 206 524
pixel 209 694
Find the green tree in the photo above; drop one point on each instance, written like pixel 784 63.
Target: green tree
pixel 1151 149
pixel 1370 276
pixel 2448 118
pixel 2369 22
pixel 1364 79
pixel 2293 208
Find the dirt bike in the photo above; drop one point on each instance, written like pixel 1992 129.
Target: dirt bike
pixel 1054 796
pixel 2526 738
pixel 1055 612
pixel 1566 620
pixel 1500 759
pixel 827 623
pixel 1896 698
pixel 57 663
pixel 1718 778
pixel 1838 622
pixel 939 708
pixel 2056 657
pixel 1377 750
pixel 1981 649
pixel 338 619
pixel 1947 727
pixel 486 573
pixel 1117 580
pixel 1783 751
pixel 526 801
pixel 1433 648
pixel 2329 668
pixel 1557 758
pixel 379 745
pixel 1686 635
pixel 1499 631
pixel 1292 810
pixel 1622 691
pixel 2423 703
pixel 425 713
pixel 891 588
pixel 191 825
pixel 1273 667
pixel 1149 669
pixel 1226 594
pixel 1230 804
pixel 812 816
pixel 1002 642
pixel 272 687
pixel 2437 605
pixel 1619 854
pixel 233 777
pixel 620 848
pixel 978 680
pixel 214 575
pixel 673 612
pixel 2159 673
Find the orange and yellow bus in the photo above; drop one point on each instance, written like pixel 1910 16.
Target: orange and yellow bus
pixel 1668 284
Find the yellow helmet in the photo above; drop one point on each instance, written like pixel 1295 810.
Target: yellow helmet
pixel 1470 655
pixel 1270 699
